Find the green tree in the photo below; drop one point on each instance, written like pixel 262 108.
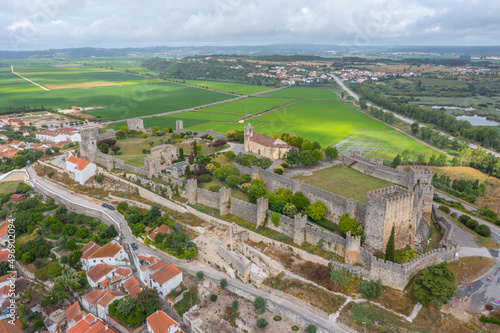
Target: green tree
pixel 200 274
pixel 262 323
pixel 390 247
pixel 213 297
pixel 347 224
pixel 260 304
pixel 121 134
pixel 181 153
pixel 289 209
pixel 371 289
pixel 435 284
pixel 331 152
pixel 362 104
pixel 70 244
pixel 292 157
pixel 257 190
pixel 74 259
pixel 126 305
pixel 311 328
pixel 235 304
pixel 307 145
pixel 223 283
pixel 300 201
pixel 155 128
pixel 316 211
pixel 415 127
pixel 396 161
pixel 148 301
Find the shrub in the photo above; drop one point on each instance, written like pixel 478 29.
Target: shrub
pixel 218 143
pixel 260 304
pixel 300 201
pixel 285 165
pixel 289 210
pixel 230 155
pixel 316 211
pixel 483 230
pixel 453 215
pixel 99 178
pixel 213 297
pixel 223 283
pixel 262 323
pixel 235 304
pixel 340 277
pixel 277 318
pixel 278 170
pixel 311 328
pixel 200 274
pixel 295 328
pixel 275 218
pixel 371 289
pixel 214 188
pixel 205 178
pixel 444 209
pixel 472 224
pixel 463 219
pixel 490 320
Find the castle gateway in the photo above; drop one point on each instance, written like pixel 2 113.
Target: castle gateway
pixel 264 145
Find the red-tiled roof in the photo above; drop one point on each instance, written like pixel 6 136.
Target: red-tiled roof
pixel 130 283
pixel 165 274
pixel 80 164
pixel 9 276
pixel 4 255
pixel 93 296
pixel 135 291
pixel 4 227
pixel 99 271
pixel 149 258
pixel 158 265
pixel 57 131
pixel 109 297
pixel 123 271
pixel 267 141
pixel 72 311
pixel 163 229
pixel 160 322
pixel 107 251
pixel 89 249
pixel 6 327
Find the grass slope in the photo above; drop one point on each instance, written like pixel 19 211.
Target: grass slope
pixel 345 182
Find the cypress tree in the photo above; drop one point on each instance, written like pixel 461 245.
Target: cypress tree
pixel 390 248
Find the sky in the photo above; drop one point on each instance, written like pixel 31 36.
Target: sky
pixel 44 24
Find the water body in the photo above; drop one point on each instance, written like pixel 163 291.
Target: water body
pixel 450 107
pixel 476 120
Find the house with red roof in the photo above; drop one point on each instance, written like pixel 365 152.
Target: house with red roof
pixel 163 229
pixel 4 233
pixel 99 273
pixel 132 287
pixel 17 197
pixel 162 276
pixel 82 169
pixel 112 254
pixel 160 322
pixel 104 302
pixel 60 134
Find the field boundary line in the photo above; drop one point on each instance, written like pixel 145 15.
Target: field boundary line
pixel 272 110
pixel 36 84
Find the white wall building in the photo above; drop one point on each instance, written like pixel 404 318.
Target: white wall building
pixel 82 169
pixel 160 322
pixel 60 134
pixel 112 254
pixel 165 279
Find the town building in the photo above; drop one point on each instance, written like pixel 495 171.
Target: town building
pixel 112 254
pixel 106 300
pixel 99 273
pixel 264 145
pixel 163 277
pixel 160 322
pixel 82 169
pixel 60 134
pixel 17 197
pixel 4 233
pixel 163 229
pixel 14 123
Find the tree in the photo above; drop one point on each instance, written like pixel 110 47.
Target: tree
pixel 390 247
pixel 257 190
pixel 347 224
pixel 104 148
pixel 155 128
pixel 148 301
pixel 235 304
pixel 195 148
pixel 121 134
pixel 331 152
pixel 362 104
pixel 223 283
pixel 213 297
pixel 292 157
pixel 126 305
pixel 181 153
pixel 415 127
pixel 262 323
pixel 435 284
pixel 200 274
pixel 300 201
pixel 116 149
pixel 260 304
pixel 307 145
pixel 311 328
pixel 230 155
pixel 316 211
pixel 74 259
pixel 289 210
pixel 70 244
pixel 396 161
pixel 371 289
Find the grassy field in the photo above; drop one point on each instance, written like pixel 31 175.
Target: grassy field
pixel 304 93
pixel 345 182
pixel 123 95
pixel 235 193
pixel 235 88
pixel 248 106
pixel 8 187
pixel 469 269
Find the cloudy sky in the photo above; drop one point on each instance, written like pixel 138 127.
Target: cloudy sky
pixel 43 24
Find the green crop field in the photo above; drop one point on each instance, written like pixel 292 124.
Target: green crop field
pixel 235 88
pixel 345 181
pixel 123 95
pixel 304 93
pixel 248 106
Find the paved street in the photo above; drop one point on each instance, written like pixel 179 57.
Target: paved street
pixel 86 203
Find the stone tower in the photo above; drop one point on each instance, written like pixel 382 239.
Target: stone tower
pixel 420 182
pixel 179 126
pixel 192 191
pixel 135 124
pixel 88 145
pixel 352 249
pixel 248 132
pixel 385 208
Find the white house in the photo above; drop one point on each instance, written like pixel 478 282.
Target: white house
pixel 60 134
pixel 112 254
pixel 99 273
pixel 160 322
pixel 165 279
pixel 106 300
pixel 82 169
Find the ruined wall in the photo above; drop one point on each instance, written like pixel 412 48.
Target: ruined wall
pixel 374 168
pixel 238 261
pixel 330 241
pixel 208 198
pixel 244 210
pixel 286 224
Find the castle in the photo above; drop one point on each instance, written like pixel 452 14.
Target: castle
pixel 264 145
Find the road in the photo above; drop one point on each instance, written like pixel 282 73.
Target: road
pixel 405 119
pixel 85 203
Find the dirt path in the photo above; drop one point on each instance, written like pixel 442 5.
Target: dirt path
pixel 22 77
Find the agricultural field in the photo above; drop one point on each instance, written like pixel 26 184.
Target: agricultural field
pixel 345 182
pixel 234 88
pixel 323 93
pixel 248 106
pixel 122 95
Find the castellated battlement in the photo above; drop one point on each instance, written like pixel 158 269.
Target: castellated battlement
pixel 391 194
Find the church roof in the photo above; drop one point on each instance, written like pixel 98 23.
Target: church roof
pixel 267 141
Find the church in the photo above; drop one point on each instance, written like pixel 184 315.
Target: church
pixel 264 145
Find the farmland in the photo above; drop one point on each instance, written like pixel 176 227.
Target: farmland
pixel 235 88
pixel 304 93
pixel 123 95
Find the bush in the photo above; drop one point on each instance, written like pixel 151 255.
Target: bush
pixel 235 304
pixel 463 219
pixel 339 276
pixel 483 230
pixel 205 178
pixel 490 320
pixel 472 224
pixel 230 155
pixel 311 328
pixel 285 165
pixel 262 323
pixel 200 274
pixel 213 297
pixel 295 328
pixel 316 211
pixel 444 209
pixel 453 215
pixel 277 318
pixel 260 304
pixel 223 283
pixel 371 289
pixel 278 170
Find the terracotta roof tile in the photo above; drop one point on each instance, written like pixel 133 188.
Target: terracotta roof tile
pixel 8 276
pixel 80 164
pixel 160 322
pixel 4 255
pixel 99 271
pixel 158 265
pixel 149 258
pixel 165 274
pixel 123 271
pixel 6 327
pixel 109 297
pixel 163 229
pixel 130 283
pixel 107 251
pixel 135 291
pixel 4 227
pixel 89 249
pixel 73 311
pixel 93 296
pixel 267 141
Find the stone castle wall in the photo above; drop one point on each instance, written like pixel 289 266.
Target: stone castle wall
pixel 373 168
pixel 244 210
pixel 208 198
